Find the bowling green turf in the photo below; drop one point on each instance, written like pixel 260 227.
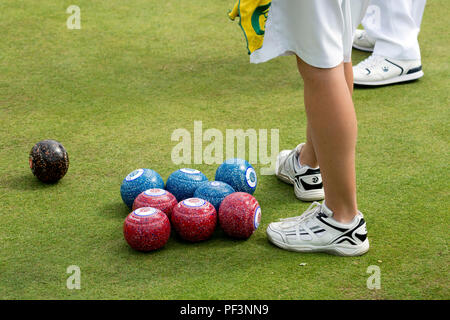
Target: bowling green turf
pixel 113 93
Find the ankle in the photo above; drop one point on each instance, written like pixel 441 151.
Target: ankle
pixel 307 157
pixel 343 214
pixel 344 217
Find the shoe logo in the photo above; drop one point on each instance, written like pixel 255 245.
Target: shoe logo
pixel 308 186
pixel 312 175
pixel 394 64
pixel 385 69
pixel 361 237
pixel 349 235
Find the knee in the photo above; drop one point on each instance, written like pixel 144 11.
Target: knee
pixel 310 73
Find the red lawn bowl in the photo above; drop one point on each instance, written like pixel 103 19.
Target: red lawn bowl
pixel 156 198
pixel 194 219
pixel 146 229
pixel 239 215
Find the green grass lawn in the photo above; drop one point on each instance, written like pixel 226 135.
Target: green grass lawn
pixel 114 91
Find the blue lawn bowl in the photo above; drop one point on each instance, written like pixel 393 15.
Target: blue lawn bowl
pixel 138 181
pixel 183 183
pixel 239 174
pixel 214 192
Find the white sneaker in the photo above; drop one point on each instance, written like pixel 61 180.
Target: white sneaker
pixel 307 181
pixel 316 231
pixel 378 71
pixel 362 41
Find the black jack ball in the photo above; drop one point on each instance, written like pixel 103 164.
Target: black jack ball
pixel 49 161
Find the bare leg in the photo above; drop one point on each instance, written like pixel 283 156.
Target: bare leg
pixel 348 71
pixel 332 125
pixel 308 155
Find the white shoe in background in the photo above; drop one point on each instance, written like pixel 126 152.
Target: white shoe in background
pixel 378 71
pixel 362 41
pixel 307 181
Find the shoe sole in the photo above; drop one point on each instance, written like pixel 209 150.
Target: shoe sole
pixel 403 78
pixel 338 250
pixel 315 195
pixel 365 49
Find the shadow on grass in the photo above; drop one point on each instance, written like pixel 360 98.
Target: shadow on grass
pixel 26 182
pixel 219 240
pixel 366 87
pixel 115 210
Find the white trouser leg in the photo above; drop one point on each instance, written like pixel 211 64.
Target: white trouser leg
pixel 395 26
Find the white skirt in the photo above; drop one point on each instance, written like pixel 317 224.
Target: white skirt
pixel 320 32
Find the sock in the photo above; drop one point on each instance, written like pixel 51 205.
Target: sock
pixel 330 214
pixel 297 164
pixel 326 210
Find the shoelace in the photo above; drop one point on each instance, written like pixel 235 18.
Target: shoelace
pixel 313 209
pixel 370 62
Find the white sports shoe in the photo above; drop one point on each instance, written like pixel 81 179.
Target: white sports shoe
pixel 378 71
pixel 362 41
pixel 316 231
pixel 307 181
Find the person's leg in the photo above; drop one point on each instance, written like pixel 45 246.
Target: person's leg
pixel 325 66
pixel 308 155
pixel 393 26
pixel 418 7
pixel 332 121
pixel 348 71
